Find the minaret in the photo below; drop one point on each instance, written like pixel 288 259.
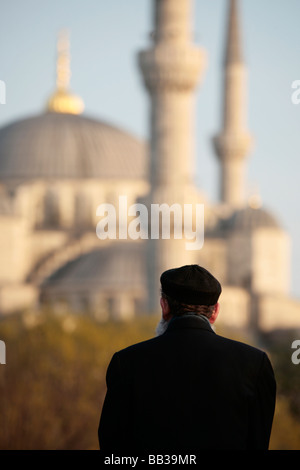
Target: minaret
pixel 63 101
pixel 171 69
pixel 234 142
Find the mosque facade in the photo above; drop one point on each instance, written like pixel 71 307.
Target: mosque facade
pixel 57 167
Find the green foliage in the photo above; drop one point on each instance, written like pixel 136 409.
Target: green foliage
pixel 286 425
pixel 287 373
pixel 286 428
pixel 53 384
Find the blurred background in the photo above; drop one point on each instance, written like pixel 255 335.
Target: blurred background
pixel 53 384
pixel 74 132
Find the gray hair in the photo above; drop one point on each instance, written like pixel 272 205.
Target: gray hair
pixel 178 308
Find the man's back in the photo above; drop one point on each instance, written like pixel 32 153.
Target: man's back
pixel 188 389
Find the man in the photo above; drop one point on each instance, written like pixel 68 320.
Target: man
pixel 188 389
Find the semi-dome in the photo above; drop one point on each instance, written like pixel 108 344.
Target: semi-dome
pixel 249 219
pixel 109 281
pixel 61 145
pixel 119 266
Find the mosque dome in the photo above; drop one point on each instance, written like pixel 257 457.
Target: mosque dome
pixel 66 146
pixel 61 143
pixel 119 266
pixel 249 219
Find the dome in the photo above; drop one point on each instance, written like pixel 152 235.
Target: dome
pixel 106 282
pixel 249 219
pixel 66 146
pixel 119 266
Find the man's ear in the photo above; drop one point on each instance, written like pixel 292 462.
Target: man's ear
pixel 215 314
pixel 165 309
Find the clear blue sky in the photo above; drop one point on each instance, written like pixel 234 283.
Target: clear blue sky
pixel 105 37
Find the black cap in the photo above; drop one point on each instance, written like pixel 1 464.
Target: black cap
pixel 191 284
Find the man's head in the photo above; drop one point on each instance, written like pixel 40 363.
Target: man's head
pixel 190 288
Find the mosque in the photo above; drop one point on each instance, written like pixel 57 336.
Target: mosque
pixel 57 167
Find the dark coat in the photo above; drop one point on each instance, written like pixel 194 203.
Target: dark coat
pixel 188 389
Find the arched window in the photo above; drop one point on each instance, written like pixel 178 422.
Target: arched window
pixel 51 209
pixel 83 214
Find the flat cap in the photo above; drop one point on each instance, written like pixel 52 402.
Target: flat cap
pixel 191 284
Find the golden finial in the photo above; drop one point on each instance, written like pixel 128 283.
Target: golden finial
pixel 255 201
pixel 63 73
pixel 63 101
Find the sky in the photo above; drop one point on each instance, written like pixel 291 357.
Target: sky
pixel 105 39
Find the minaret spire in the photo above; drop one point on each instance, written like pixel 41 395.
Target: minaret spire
pixel 233 45
pixel 63 101
pixel 63 72
pixel 234 141
pixel 172 67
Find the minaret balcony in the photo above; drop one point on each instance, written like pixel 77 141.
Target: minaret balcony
pixel 169 68
pixel 233 146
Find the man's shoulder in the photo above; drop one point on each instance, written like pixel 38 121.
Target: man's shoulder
pixel 137 348
pixel 231 345
pixel 241 348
